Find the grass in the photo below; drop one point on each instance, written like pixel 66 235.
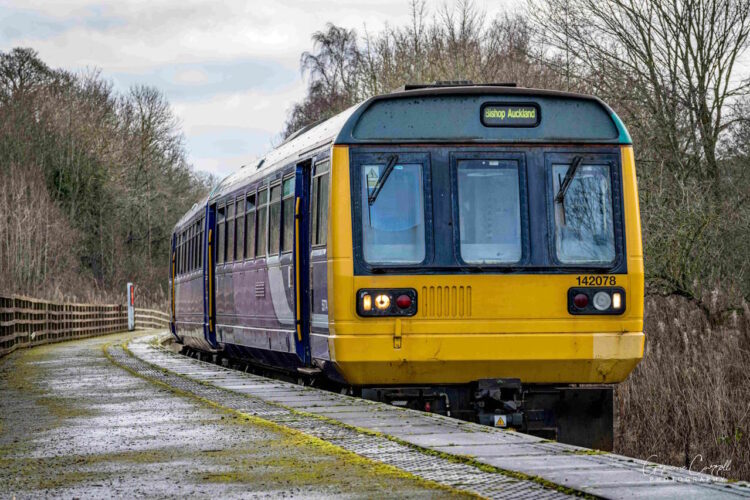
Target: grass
pixel 688 402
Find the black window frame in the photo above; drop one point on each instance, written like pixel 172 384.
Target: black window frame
pixel 230 203
pixel 262 189
pixel 618 208
pixel 317 239
pixel 239 226
pixel 291 198
pixel 359 159
pixel 250 214
pixel 277 240
pixel 523 196
pixel 220 244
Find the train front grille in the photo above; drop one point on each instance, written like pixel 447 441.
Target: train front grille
pixel 445 302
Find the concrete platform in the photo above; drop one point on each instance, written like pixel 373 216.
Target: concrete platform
pixel 573 469
pixel 74 425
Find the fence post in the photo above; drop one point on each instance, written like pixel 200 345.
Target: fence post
pixel 131 307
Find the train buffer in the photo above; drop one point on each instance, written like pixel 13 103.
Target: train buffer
pixel 102 418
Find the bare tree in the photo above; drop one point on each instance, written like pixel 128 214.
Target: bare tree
pixel 677 56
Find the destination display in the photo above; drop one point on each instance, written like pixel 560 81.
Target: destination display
pixel 510 115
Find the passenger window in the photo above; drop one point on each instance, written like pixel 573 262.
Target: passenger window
pixel 287 209
pixel 260 248
pixel 250 226
pixel 191 250
pixel 230 231
pixel 220 234
pixel 240 254
pixel 200 244
pixel 274 218
pixel 184 254
pixel 320 204
pixel 489 211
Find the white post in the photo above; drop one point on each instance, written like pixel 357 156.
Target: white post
pixel 131 307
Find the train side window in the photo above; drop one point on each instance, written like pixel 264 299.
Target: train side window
pixel 178 257
pixel 200 244
pixel 191 250
pixel 274 218
pixel 220 234
pixel 262 222
pixel 320 204
pixel 240 214
pixel 287 215
pixel 250 226
pixel 196 244
pixel 230 231
pixel 184 253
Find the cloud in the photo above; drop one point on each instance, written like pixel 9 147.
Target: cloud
pixel 230 69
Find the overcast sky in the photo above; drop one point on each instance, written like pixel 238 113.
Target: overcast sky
pixel 229 69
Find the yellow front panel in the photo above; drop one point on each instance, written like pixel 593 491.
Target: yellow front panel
pixel 477 326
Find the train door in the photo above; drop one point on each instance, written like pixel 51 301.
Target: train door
pixel 302 259
pixel 209 272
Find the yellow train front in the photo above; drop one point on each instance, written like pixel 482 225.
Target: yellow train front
pixel 484 257
pixel 470 250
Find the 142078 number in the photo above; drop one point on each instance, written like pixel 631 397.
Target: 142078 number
pixel 597 280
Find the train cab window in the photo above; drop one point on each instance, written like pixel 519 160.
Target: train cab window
pixel 584 228
pixel 260 247
pixel 274 220
pixel 240 217
pixel 221 228
pixel 230 231
pixel 287 215
pixel 393 226
pixel 320 204
pixel 489 211
pixel 250 226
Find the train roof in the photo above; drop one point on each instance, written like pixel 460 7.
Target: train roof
pixel 493 114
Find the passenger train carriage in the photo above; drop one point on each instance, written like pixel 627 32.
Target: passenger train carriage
pixel 472 250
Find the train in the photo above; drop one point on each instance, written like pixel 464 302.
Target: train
pixel 472 250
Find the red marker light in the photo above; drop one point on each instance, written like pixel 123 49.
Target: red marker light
pixel 581 300
pixel 403 301
pixel 427 407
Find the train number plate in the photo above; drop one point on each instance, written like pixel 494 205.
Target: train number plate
pixel 596 280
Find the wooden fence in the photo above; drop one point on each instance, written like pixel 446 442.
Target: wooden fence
pixel 27 322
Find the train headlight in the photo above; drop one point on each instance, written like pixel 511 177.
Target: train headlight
pixel 388 302
pixel 602 301
pixel 596 300
pixel 382 301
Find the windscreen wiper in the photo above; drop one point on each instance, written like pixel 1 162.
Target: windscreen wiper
pixel 381 181
pixel 565 184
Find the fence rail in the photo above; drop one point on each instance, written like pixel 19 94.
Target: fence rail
pixel 27 322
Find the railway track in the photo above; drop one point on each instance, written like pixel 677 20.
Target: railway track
pixel 489 462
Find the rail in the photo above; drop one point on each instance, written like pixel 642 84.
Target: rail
pixel 28 322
